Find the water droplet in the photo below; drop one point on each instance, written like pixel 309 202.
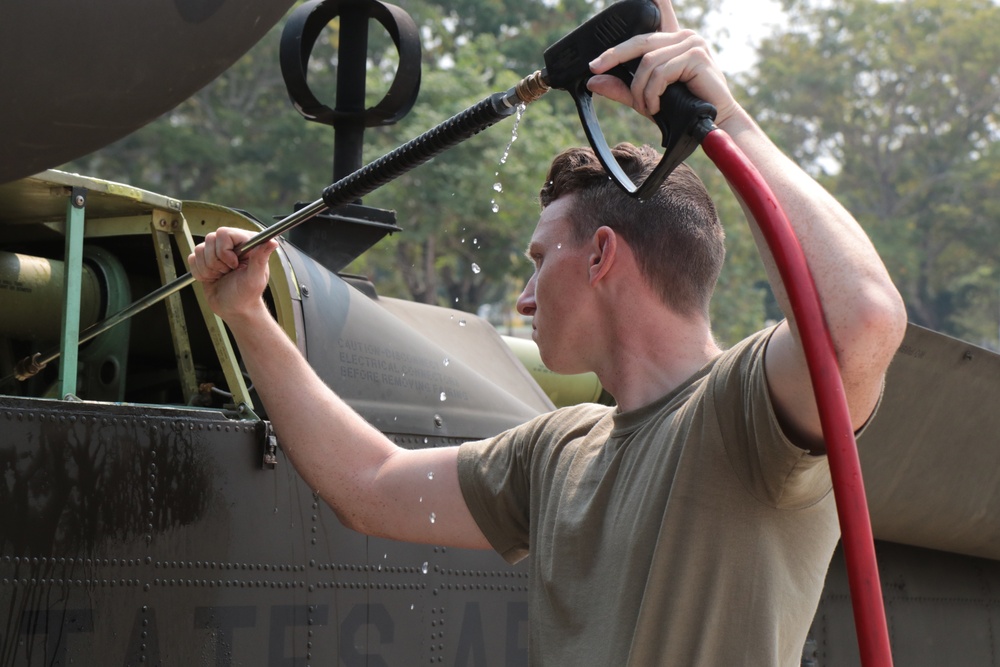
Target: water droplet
pixel 430 475
pixel 426 441
pixel 475 241
pixel 412 607
pixel 444 396
pixel 433 517
pixel 420 499
pixel 461 323
pixel 498 186
pixel 424 568
pixel 559 246
pixel 446 361
pixel 495 207
pixel 475 268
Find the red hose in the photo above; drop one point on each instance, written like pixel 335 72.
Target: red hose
pixel 841 447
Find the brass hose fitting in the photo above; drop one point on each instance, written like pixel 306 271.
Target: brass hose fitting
pixel 531 87
pixel 527 90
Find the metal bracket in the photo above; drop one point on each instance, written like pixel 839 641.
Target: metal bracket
pixel 70 336
pixel 270 459
pixel 350 117
pixel 163 224
pixel 268 437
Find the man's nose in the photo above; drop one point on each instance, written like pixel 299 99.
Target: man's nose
pixel 526 302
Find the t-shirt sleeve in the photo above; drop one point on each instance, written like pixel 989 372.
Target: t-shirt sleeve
pixel 494 477
pixel 502 477
pixel 773 469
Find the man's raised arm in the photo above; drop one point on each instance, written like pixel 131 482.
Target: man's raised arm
pixel 863 309
pixel 373 486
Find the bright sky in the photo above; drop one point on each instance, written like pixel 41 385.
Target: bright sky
pixel 747 21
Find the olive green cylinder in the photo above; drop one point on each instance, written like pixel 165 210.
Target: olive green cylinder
pixel 31 297
pixel 562 390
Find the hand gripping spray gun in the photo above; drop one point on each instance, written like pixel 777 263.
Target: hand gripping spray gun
pixel 686 121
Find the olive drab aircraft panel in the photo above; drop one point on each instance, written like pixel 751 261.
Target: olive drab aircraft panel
pixel 931 457
pixel 400 377
pixel 140 535
pixel 77 76
pixel 941 608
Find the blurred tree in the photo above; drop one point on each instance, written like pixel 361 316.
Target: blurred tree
pixel 894 106
pixel 238 143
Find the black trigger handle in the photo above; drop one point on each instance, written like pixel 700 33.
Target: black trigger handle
pixel 683 119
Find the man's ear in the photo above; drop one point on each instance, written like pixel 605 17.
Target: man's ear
pixel 604 251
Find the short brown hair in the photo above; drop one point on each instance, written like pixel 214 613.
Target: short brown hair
pixel 675 234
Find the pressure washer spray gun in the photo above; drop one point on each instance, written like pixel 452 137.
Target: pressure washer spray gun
pixel 683 119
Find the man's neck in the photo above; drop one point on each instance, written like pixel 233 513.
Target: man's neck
pixel 654 358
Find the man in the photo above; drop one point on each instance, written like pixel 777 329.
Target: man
pixel 693 523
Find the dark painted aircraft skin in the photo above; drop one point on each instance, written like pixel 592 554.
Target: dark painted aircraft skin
pixel 138 535
pixel 70 91
pixel 150 516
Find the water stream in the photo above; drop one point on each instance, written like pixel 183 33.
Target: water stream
pixel 497 185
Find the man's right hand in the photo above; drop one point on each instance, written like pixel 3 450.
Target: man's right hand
pixel 233 283
pixel 373 485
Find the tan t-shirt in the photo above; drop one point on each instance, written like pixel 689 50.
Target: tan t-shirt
pixel 687 532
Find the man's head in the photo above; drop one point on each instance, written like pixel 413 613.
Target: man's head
pixel 675 235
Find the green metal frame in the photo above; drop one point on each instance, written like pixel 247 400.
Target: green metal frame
pixel 69 339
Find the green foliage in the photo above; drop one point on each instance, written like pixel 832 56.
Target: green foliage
pixel 895 106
